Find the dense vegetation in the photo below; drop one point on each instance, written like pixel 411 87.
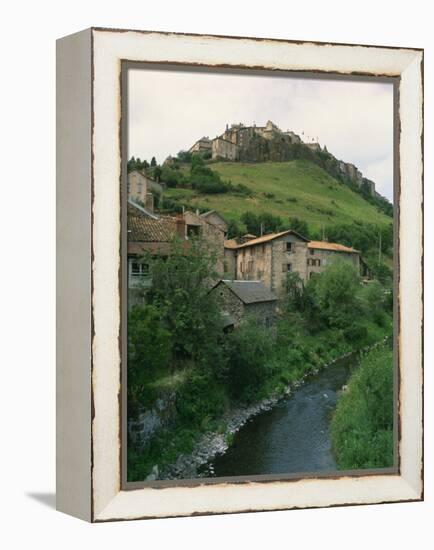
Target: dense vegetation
pixel 177 345
pixel 362 426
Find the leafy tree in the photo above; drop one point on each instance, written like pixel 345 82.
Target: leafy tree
pixel 294 292
pixel 136 164
pixel 153 162
pixel 157 172
pixel 184 156
pixel 248 350
pixel 180 291
pixel 149 350
pixel 204 179
pixel 335 294
pixel 234 230
pixel 263 222
pixel 300 226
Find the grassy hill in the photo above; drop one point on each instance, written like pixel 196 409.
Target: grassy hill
pixel 297 188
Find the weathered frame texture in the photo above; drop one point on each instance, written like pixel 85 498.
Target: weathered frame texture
pixel 90 274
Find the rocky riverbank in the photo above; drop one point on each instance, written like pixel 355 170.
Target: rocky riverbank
pixel 212 444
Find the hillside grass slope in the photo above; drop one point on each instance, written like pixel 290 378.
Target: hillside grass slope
pixel 298 188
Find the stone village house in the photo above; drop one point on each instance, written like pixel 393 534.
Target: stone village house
pixel 243 299
pixel 269 258
pixel 142 188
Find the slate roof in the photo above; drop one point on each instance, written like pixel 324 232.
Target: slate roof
pixel 335 247
pixel 206 214
pixel 271 237
pixel 135 209
pixel 249 292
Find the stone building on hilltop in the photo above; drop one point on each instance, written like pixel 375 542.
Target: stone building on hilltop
pixel 202 145
pixel 238 139
pixel 269 143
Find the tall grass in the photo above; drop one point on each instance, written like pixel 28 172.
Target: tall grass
pixel 362 425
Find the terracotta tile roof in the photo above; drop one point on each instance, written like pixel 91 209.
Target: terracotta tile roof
pixel 271 237
pixel 231 244
pixel 144 229
pixel 249 292
pixel 324 245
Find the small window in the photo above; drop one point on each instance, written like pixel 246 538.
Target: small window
pixel 287 267
pixel 139 269
pixel 312 251
pixel 193 230
pixel 289 247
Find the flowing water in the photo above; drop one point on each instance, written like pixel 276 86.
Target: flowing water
pixel 293 436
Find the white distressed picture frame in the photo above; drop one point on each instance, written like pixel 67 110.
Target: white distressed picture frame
pixel 89 409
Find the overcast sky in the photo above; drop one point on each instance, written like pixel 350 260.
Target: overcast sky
pixel 170 110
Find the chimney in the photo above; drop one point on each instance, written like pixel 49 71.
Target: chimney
pixel 180 228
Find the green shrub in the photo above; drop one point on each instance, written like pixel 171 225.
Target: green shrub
pixel 200 400
pixel 335 294
pixel 248 350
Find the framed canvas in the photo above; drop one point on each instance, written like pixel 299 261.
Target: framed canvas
pixel 239 317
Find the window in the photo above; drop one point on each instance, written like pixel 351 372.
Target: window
pixel 286 268
pixel 193 230
pixel 289 247
pixel 312 251
pixel 139 269
pixel 314 262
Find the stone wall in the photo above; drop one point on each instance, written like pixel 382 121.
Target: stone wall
pixel 263 313
pixel 229 302
pixel 230 263
pixel 326 257
pixel 150 421
pixel 254 263
pixel 211 234
pixel 296 258
pixel 268 262
pixel 222 149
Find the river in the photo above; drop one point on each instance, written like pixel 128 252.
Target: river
pixel 293 436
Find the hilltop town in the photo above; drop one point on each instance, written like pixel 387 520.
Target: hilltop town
pixel 269 143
